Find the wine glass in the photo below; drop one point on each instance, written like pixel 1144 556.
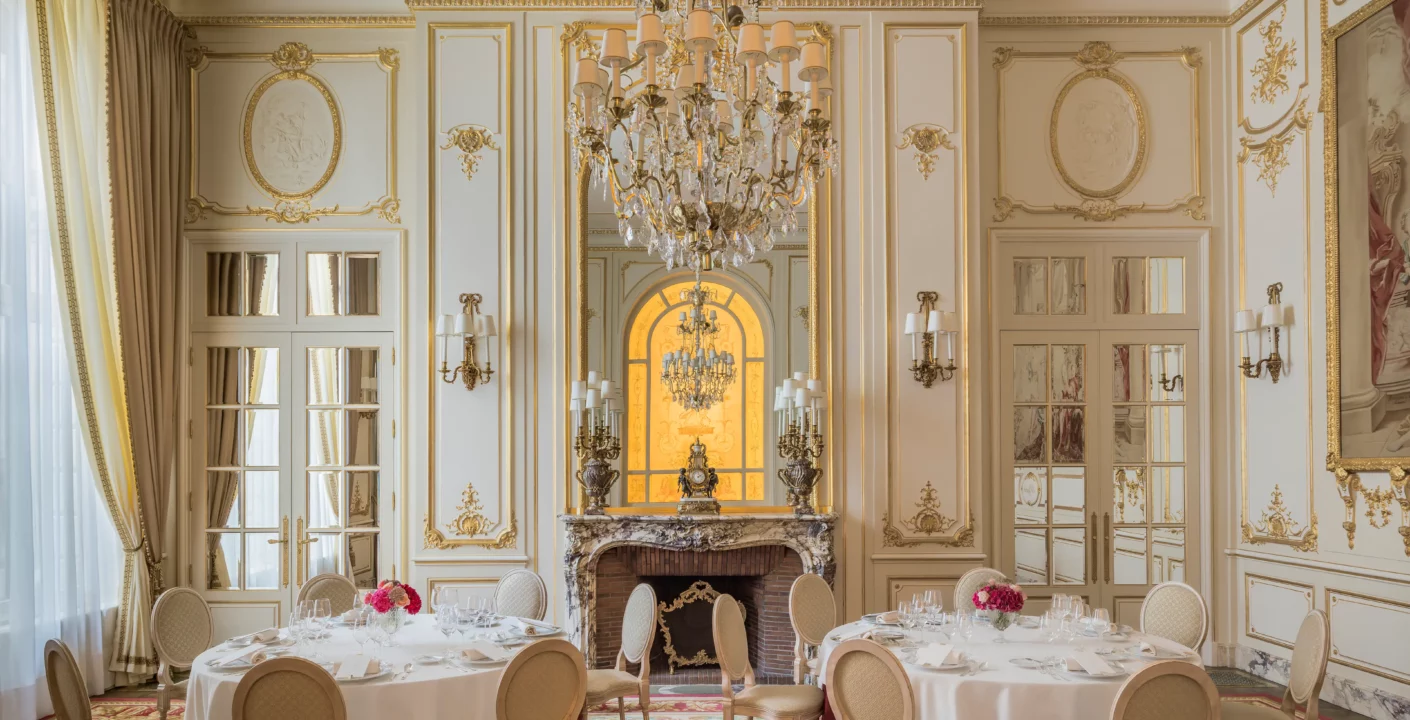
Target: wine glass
pixel 1101 620
pixel 361 631
pixel 928 600
pixel 485 612
pixel 296 628
pixel 964 624
pixel 1050 625
pixel 464 618
pixel 446 622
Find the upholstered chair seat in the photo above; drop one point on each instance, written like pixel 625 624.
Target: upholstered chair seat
pixel 1175 611
pixel 521 593
pixel 813 613
pixel 1309 669
pixel 771 702
pixel 339 591
pixel 970 582
pixel 638 633
pixel 784 701
pixel 866 682
pixel 181 629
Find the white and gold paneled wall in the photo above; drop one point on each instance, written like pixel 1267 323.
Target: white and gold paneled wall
pixel 471 499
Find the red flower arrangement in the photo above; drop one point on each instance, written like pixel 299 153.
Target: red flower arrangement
pixel 391 595
pixel 1003 597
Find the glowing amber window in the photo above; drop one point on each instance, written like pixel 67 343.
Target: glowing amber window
pixel 660 432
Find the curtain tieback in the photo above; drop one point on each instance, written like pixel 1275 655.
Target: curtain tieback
pixel 139 547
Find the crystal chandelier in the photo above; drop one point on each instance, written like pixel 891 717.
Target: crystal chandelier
pixel 711 170
pixel 697 375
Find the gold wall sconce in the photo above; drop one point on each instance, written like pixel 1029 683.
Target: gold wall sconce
pixel 1246 323
pixel 925 326
pixel 1168 384
pixel 471 326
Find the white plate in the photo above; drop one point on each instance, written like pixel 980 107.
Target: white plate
pixel 428 659
pixel 384 669
pixel 910 659
pixel 1026 663
pixel 539 633
pixel 478 663
pixel 1113 676
pixel 1161 654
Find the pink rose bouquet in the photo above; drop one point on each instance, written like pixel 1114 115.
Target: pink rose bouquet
pixel 1004 601
pixel 391 595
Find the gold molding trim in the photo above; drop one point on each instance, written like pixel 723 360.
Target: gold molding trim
pixel 1099 60
pixel 1279 56
pixel 292 61
pixel 301 21
pixel 422 5
pixel 1270 155
pixel 1249 580
pixel 1277 525
pixel 928 519
pixel 927 139
pixel 501 33
pixel 891 536
pixel 698 591
pixel 470 140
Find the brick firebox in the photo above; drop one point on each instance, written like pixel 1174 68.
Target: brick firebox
pixel 759 577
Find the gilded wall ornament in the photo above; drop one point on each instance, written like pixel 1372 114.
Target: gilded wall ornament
pixel 1378 503
pixel 1270 156
pixel 1378 506
pixel 1277 525
pixel 891 536
pixel 575 34
pixel 433 539
pixel 928 519
pixel 293 57
pixel 1279 56
pixel 470 140
pixel 801 312
pixel 471 521
pixel 927 139
pixel 1097 56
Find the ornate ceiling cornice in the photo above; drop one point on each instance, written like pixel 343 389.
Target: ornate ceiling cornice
pixel 1120 20
pixel 301 21
pixel 416 5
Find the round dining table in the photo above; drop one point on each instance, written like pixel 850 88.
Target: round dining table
pixel 992 687
pixel 445 689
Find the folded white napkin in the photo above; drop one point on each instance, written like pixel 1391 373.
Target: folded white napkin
pixel 1160 647
pixel 267 635
pixel 936 655
pixel 889 618
pixel 349 616
pixel 1093 665
pixel 243 657
pixel 480 651
pixel 355 666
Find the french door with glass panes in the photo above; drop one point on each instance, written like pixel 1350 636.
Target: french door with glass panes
pixel 296 434
pixel 1100 442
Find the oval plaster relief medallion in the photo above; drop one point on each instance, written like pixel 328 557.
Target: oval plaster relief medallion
pixel 292 135
pixel 1098 134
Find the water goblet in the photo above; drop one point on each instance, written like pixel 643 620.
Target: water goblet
pixel 964 624
pixel 361 631
pixel 1101 619
pixel 464 619
pixel 484 608
pixel 928 600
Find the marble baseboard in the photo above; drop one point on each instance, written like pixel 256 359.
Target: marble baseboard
pixel 1344 693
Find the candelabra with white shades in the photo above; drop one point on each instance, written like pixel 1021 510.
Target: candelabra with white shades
pixel 1246 323
pixel 596 407
pixel 799 404
pixel 471 326
pixel 924 328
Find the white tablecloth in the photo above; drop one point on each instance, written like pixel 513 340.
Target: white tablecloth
pixel 430 691
pixel 1004 691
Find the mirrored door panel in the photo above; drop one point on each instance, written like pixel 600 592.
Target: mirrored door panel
pixel 343 455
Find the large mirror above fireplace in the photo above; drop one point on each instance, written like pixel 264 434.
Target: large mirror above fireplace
pixel 763 323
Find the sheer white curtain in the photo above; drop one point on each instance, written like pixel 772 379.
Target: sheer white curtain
pixel 60 557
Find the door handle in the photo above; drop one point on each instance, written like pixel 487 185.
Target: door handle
pixel 1094 546
pixel 283 543
pixel 304 541
pixel 1109 551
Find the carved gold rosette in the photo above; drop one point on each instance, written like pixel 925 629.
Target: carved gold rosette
pixel 1277 525
pixel 927 139
pixel 468 525
pixel 471 140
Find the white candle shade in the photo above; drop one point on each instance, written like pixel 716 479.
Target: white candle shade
pixel 593 397
pixel 479 326
pixel 585 78
pixel 814 62
pixel 789 385
pixel 785 42
pixel 815 386
pixel 799 377
pixel 949 322
pixel 444 324
pixel 607 388
pixel 700 32
pixel 489 329
pixel 751 44
pixel 932 323
pixel 912 322
pixel 1273 315
pixel 594 379
pixel 685 78
pixel 579 389
pixel 464 324
pixel 614 48
pixel 650 34
pixel 603 79
pixel 801 397
pixel 1244 321
pixel 780 403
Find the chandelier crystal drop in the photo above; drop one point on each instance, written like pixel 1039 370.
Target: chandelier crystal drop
pixel 704 158
pixel 697 375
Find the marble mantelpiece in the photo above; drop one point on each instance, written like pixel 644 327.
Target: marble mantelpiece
pixel 588 536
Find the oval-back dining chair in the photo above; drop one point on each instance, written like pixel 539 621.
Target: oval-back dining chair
pixel 67 690
pixel 970 582
pixel 1175 611
pixel 638 633
pixel 521 593
pixel 813 612
pixel 1167 690
pixel 546 681
pixel 339 591
pixel 181 629
pixel 1309 669
pixel 769 702
pixel 866 682
pixel 288 687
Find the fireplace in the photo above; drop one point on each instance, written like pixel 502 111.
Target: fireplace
pixel 689 560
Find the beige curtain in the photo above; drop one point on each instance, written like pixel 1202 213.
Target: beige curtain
pixel 70 41
pixel 147 98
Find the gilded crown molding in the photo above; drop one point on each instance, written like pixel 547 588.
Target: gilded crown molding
pixel 416 5
pixel 301 21
pixel 1128 20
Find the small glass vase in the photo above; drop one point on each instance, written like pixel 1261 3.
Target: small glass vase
pixel 389 623
pixel 1001 621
